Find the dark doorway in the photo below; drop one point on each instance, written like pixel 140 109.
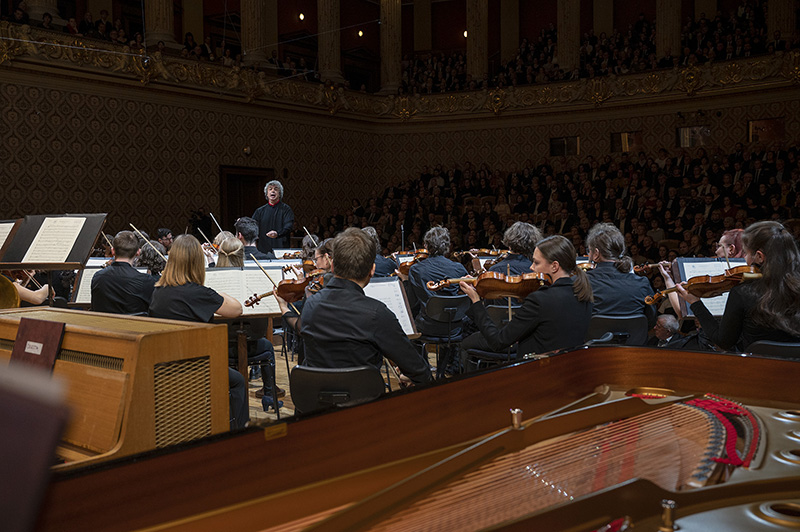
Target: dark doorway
pixel 241 192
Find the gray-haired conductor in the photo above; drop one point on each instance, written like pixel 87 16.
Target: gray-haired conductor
pixel 275 220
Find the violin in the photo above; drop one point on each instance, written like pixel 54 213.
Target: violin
pixel 295 255
pixel 290 290
pixel 491 262
pixel 644 269
pixel 23 276
pixel 307 266
pixel 494 285
pixel 704 286
pixel 420 254
pixel 586 266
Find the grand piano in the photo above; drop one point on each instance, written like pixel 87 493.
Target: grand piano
pixel 599 438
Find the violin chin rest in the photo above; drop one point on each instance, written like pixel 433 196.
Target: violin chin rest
pixel 751 276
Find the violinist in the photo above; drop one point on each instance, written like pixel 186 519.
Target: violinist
pixel 231 253
pixel 384 267
pixel 435 268
pixel 730 245
pixel 521 239
pixel 763 309
pixel 165 238
pixel 34 297
pixel 323 260
pixel 149 258
pixel 342 327
pixel 180 295
pixel 617 291
pixel 247 231
pixel 119 288
pixel 553 317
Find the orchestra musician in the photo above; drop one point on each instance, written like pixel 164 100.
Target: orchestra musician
pixel 342 327
pixel 230 253
pixel 275 220
pixel 435 268
pixel 119 288
pixel 555 316
pixel 149 258
pixel 521 239
pixel 165 238
pixel 762 309
pixel 384 267
pixel 181 295
pixel 34 297
pixel 730 245
pixel 247 232
pixel 617 291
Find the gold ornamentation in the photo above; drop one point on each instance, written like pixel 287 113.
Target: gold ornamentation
pixel 70 52
pixel 690 80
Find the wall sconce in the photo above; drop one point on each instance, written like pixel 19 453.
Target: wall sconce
pixel 465 34
pixel 301 16
pixel 360 33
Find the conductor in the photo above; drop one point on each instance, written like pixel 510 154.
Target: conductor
pixel 275 220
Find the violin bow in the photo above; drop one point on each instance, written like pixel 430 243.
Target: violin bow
pixel 274 292
pixel 110 245
pixel 146 241
pixel 215 221
pixel 314 240
pixel 204 236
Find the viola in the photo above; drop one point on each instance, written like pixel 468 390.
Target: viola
pixel 494 285
pixel 704 286
pixel 644 269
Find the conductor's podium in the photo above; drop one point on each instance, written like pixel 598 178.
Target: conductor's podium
pixel 133 384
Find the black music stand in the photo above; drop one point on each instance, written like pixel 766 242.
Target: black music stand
pixel 27 230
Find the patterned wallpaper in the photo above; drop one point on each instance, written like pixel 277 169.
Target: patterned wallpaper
pixel 150 157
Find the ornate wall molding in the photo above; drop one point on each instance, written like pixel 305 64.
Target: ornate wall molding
pixel 24 47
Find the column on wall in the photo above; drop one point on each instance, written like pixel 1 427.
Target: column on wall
pixel 329 43
pixel 668 27
pixel 193 21
pixel 254 37
pixel 158 21
pixel 709 7
pixel 423 39
pixel 509 29
pixel 37 8
pixel 391 45
pixel 477 39
pixel 569 34
pixel 603 17
pixel 780 17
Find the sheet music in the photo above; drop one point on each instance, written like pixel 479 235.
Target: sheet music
pixel 55 239
pixel 389 292
pixel 715 305
pixel 5 229
pixel 84 291
pixel 255 282
pixel 242 284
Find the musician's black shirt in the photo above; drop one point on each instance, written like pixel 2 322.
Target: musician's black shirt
pixel 187 302
pixel 342 327
pixel 620 294
pixel 431 269
pixel 737 329
pixel 549 318
pixel 120 289
pixel 515 263
pixel 384 267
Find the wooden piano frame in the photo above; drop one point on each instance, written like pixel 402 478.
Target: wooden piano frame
pixel 133 384
pixel 263 477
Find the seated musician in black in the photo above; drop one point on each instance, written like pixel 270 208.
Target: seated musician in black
pixel 435 268
pixel 119 288
pixel 181 295
pixel 384 267
pixel 763 309
pixel 521 239
pixel 617 291
pixel 152 258
pixel 342 327
pixel 247 231
pixel 553 317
